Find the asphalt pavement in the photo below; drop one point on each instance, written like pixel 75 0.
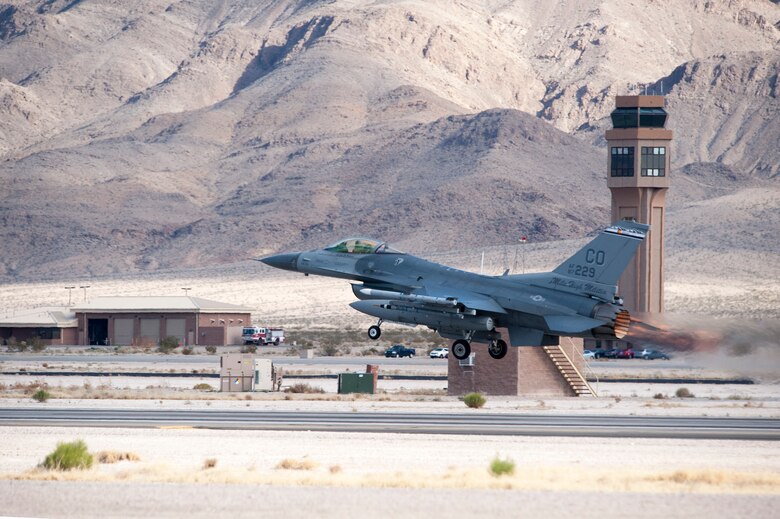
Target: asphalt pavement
pixel 428 423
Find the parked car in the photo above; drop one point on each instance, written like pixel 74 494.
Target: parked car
pixel 589 354
pixel 653 354
pixel 628 353
pixel 440 353
pixel 399 350
pixel 611 353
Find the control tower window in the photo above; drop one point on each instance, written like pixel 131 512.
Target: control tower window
pixel 621 162
pixel 653 161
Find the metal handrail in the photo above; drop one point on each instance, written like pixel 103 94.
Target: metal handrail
pixel 584 380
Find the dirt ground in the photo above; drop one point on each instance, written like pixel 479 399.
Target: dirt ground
pixel 389 475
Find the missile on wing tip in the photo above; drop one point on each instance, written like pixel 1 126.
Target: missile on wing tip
pixel 373 293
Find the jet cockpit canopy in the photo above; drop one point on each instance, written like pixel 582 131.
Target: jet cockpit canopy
pixel 362 246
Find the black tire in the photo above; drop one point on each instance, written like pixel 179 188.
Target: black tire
pixel 411 355
pixel 498 349
pixel 374 332
pixel 461 349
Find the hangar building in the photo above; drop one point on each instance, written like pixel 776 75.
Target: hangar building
pixel 138 321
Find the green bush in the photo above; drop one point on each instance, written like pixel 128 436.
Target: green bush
pixel 168 344
pixel 211 350
pixel 499 467
pixel 69 456
pixel 41 395
pixel 203 387
pixel 683 392
pixel 474 400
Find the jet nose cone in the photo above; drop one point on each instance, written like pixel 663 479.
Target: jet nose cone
pixel 283 261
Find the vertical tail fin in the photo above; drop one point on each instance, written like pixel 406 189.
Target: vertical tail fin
pixel 605 258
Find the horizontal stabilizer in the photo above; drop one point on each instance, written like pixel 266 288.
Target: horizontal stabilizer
pixel 566 324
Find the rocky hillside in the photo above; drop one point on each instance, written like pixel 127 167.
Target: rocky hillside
pixel 148 134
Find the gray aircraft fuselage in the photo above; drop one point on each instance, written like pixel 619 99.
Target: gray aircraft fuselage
pixel 578 299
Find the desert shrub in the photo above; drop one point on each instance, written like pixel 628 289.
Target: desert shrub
pixel 211 350
pixel 290 464
pixel 107 457
pixel 209 463
pixel 330 350
pixel 659 396
pixel 371 351
pixel 41 395
pixel 36 344
pixel 69 456
pixel 683 392
pixel 499 467
pixel 249 348
pixel 14 345
pixel 303 388
pixel 474 400
pixel 168 344
pixel 187 350
pixel 203 387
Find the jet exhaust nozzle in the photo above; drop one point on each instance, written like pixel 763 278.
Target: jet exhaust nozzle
pixel 619 322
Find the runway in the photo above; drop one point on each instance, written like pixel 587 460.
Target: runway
pixel 428 423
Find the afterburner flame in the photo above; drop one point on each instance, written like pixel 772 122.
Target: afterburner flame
pixel 622 322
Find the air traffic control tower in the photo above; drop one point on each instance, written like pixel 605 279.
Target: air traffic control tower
pixel 638 177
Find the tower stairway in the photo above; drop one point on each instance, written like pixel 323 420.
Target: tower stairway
pixel 570 373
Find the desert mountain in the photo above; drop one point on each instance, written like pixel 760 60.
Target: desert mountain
pixel 150 134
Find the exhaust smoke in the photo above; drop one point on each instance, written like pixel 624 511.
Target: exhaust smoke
pixel 748 347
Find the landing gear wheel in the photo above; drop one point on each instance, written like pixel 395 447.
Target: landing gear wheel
pixel 461 349
pixel 497 349
pixel 374 332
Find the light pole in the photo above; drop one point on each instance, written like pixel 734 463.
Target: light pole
pixel 85 287
pixel 69 289
pixel 186 290
pixel 523 240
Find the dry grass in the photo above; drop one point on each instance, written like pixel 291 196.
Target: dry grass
pixel 116 457
pixel 293 464
pixel 292 472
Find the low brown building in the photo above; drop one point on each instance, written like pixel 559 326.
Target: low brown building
pixel 130 321
pixel 144 321
pixel 52 325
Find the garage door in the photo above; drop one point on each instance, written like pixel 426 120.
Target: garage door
pixel 123 332
pixel 175 328
pixel 150 331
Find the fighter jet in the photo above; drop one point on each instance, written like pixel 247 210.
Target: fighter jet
pixel 577 299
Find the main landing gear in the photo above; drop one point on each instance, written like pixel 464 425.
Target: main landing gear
pixel 497 349
pixel 461 349
pixel 374 332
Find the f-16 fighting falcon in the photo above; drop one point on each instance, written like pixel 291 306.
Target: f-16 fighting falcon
pixel 577 299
